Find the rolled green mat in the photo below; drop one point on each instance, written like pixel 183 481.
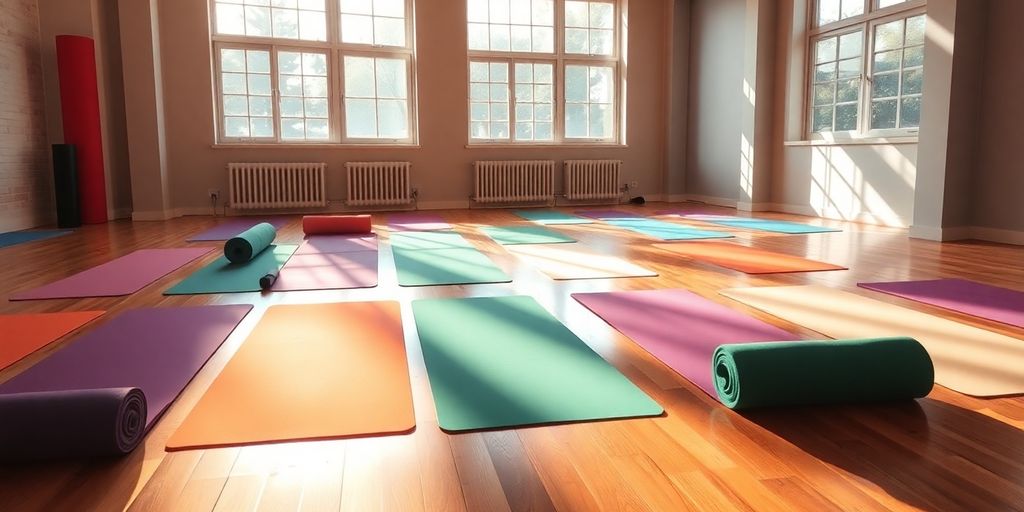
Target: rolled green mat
pixel 247 244
pixel 268 280
pixel 777 374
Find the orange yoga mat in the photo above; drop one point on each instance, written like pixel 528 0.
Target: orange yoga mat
pixel 746 259
pixel 336 224
pixel 308 371
pixel 24 334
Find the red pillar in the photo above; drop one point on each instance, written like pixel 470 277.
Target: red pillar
pixel 80 105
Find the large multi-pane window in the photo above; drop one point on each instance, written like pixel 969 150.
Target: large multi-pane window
pixel 335 71
pixel 866 67
pixel 543 71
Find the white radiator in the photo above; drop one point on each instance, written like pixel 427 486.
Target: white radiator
pixel 514 181
pixel 592 179
pixel 277 185
pixel 378 183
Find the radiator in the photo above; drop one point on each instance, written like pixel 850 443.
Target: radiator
pixel 592 179
pixel 378 183
pixel 277 185
pixel 514 181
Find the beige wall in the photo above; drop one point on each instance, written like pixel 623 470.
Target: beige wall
pixel 442 163
pixel 26 197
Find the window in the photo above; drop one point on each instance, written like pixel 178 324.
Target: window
pixel 314 71
pixel 543 71
pixel 866 67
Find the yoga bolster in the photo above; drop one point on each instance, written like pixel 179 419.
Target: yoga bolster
pixel 71 424
pixel 821 372
pixel 247 244
pixel 268 281
pixel 336 224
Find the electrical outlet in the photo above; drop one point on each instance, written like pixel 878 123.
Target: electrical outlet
pixel 213 193
pixel 633 185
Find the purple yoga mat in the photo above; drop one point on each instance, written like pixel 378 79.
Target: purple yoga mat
pixel 417 222
pixel 680 328
pixel 976 299
pixel 608 214
pixel 157 350
pixel 231 227
pixel 330 262
pixel 320 244
pixel 122 276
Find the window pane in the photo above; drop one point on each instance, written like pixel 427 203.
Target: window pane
pixel 883 114
pixel 886 85
pixel 379 22
pixel 848 90
pixel 245 88
pixel 898 74
pixel 357 29
pixel 489 92
pixel 828 12
pixel 299 104
pixel 391 80
pixel 533 100
pixel 393 118
pixel 283 19
pixel 359 77
pixel 882 4
pixel 375 97
pixel 825 50
pixel 589 96
pixel 851 45
pixel 822 119
pixel 590 27
pixel 236 105
pixel 511 25
pixel 361 118
pixel 846 117
pixel 910 113
pixel 231 20
pixel 915 30
pixel 825 72
pixel 889 35
pixel 835 94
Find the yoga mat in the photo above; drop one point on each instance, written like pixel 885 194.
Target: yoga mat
pixel 222 276
pixel 336 224
pixel 520 235
pixel 26 333
pixel 967 359
pixel 157 350
pixel 551 217
pixel 680 328
pixel 309 371
pixel 247 244
pixel 231 227
pixel 328 271
pixel 749 260
pixel 817 373
pixel 608 214
pixel 71 424
pixel 417 222
pixel 666 230
pixel 122 276
pixel 564 262
pixel 499 362
pixel 320 244
pixel 775 226
pixel 440 258
pixel 21 237
pixel 976 299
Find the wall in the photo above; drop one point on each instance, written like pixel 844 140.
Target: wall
pixel 442 162
pixel 678 95
pixel 26 196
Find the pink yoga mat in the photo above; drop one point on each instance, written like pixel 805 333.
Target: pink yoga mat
pixel 320 244
pixel 976 299
pixel 157 350
pixel 231 227
pixel 330 262
pixel 122 276
pixel 417 222
pixel 680 328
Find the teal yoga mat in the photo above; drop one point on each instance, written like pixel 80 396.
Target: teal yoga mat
pixel 498 362
pixel 520 235
pixel 249 243
pixel 774 226
pixel 794 373
pixel 434 258
pixel 222 276
pixel 666 230
pixel 21 237
pixel 552 217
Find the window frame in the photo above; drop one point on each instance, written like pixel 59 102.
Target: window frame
pixel 558 59
pixel 336 50
pixel 866 23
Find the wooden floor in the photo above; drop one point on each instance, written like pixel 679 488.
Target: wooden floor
pixel 946 452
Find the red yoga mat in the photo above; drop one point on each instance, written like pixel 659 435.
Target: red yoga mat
pixel 80 107
pixel 336 224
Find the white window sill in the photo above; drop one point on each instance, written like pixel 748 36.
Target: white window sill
pixel 873 141
pixel 324 145
pixel 486 145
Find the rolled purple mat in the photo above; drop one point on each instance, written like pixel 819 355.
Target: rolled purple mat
pixel 83 423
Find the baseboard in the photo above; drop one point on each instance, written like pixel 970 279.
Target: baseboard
pixel 714 201
pixel 1002 236
pixel 154 215
pixel 676 198
pixel 745 206
pixel 862 217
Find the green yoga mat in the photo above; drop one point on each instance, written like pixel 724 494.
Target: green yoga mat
pixel 777 374
pixel 434 258
pixel 520 235
pixel 496 362
pixel 249 243
pixel 551 217
pixel 222 276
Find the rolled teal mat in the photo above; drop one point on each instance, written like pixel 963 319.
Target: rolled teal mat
pixel 247 244
pixel 777 374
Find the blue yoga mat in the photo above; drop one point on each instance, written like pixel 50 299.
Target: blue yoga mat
pixel 775 226
pixel 20 237
pixel 666 230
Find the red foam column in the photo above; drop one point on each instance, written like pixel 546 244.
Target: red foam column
pixel 80 104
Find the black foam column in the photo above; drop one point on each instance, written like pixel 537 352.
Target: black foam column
pixel 65 186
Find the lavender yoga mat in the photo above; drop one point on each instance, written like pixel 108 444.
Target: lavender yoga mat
pixel 231 227
pixel 976 299
pixel 329 262
pixel 157 350
pixel 680 328
pixel 122 276
pixel 417 222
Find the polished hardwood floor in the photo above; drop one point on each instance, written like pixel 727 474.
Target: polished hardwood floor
pixel 947 452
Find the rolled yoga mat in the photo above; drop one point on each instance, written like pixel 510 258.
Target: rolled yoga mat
pixel 825 372
pixel 26 333
pixel 749 260
pixel 981 300
pixel 71 424
pixel 336 224
pixel 268 280
pixel 249 243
